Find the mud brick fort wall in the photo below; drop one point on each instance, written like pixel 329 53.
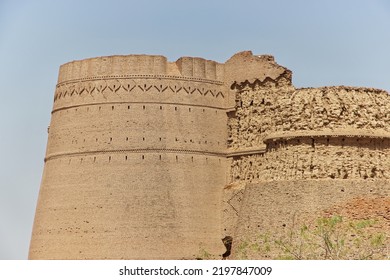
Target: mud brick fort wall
pixel 150 159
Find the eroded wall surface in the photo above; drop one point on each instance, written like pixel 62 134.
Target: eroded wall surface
pixel 299 152
pixel 262 110
pixel 316 157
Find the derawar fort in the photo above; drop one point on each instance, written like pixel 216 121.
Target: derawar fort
pixel 150 159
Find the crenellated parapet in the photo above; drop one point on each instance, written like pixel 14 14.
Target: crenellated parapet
pixel 121 65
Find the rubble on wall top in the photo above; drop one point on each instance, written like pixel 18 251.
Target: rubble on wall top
pixel 244 67
pixel 347 132
pixel 345 88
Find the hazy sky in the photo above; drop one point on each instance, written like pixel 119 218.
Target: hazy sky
pixel 330 42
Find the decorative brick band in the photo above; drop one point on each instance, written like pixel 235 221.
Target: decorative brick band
pixel 125 85
pixel 73 154
pixel 159 77
pixel 246 152
pixel 154 103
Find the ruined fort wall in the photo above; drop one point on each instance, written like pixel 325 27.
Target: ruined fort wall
pixel 316 158
pixel 297 153
pixel 310 133
pixel 135 160
pixel 320 160
pixel 265 109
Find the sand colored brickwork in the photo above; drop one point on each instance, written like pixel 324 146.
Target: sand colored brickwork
pixel 150 159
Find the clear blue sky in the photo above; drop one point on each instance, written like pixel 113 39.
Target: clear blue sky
pixel 325 42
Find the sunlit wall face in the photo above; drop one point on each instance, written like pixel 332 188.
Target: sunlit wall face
pixel 323 42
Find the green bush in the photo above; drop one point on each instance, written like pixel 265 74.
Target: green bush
pixel 329 238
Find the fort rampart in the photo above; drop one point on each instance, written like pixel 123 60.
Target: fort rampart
pixel 150 159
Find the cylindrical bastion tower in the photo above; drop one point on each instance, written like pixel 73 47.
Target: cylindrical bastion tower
pixel 135 163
